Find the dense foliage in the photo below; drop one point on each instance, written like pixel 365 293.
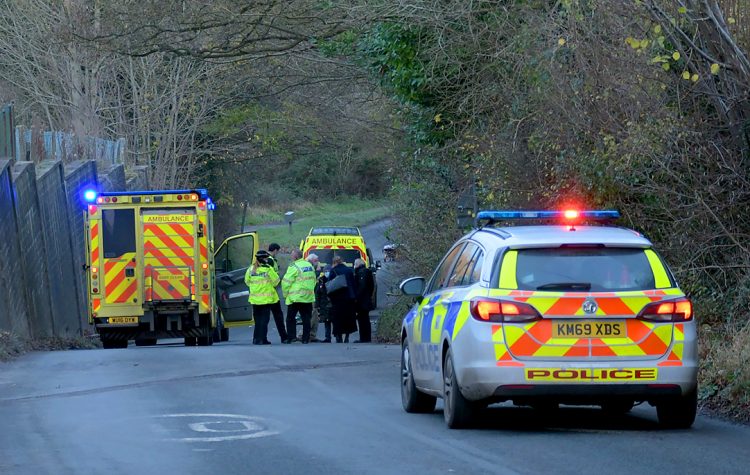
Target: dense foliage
pixel 641 106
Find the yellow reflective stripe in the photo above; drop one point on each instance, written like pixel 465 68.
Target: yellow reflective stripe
pixel 660 273
pixel 508 271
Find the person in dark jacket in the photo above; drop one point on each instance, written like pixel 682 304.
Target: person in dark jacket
pixel 278 314
pixel 343 302
pixel 323 303
pixel 364 285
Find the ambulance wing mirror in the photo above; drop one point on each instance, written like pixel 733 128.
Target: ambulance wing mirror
pixel 378 265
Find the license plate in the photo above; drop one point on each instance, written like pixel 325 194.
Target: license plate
pixel 123 320
pixel 589 329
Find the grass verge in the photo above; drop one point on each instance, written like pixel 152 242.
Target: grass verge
pixel 342 212
pixel 12 346
pixel 724 377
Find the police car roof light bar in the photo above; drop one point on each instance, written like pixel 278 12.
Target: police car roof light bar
pixel 493 216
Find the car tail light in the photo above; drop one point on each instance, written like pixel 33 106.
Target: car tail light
pixel 502 311
pixel 679 310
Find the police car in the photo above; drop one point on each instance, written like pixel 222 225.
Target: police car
pixel 576 312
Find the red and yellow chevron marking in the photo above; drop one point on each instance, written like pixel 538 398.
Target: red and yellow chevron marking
pixel 118 288
pixel 169 245
pixel 535 339
pixel 168 283
pixel 96 305
pixel 95 243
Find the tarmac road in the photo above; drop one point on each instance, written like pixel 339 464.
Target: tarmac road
pixel 312 409
pixel 318 408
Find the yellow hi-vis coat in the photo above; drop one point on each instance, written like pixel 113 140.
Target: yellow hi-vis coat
pixel 261 282
pixel 299 282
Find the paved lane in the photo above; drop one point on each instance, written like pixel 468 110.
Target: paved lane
pixel 238 408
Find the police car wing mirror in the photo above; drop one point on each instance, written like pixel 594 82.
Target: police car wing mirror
pixel 413 286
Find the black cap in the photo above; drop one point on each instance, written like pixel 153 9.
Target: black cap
pixel 273 247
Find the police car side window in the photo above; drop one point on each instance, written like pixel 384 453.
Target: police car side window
pixel 442 272
pixel 463 264
pixel 476 272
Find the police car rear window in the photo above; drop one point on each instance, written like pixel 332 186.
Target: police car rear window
pixel 595 269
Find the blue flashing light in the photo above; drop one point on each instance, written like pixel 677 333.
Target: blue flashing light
pixel 502 215
pixel 90 195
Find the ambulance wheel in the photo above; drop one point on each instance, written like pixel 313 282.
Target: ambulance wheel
pixel 145 341
pixel 458 411
pixel 205 341
pixel 225 334
pixel 413 400
pixel 216 335
pixel 190 341
pixel 678 412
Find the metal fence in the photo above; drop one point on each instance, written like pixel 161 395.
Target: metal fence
pixel 34 145
pixel 7 127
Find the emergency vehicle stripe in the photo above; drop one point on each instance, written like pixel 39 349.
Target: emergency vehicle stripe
pixel 168 283
pixel 660 274
pixel 94 243
pixel 96 304
pixel 124 292
pixel 508 270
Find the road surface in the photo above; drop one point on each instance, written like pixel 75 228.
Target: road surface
pixel 312 409
pixel 318 408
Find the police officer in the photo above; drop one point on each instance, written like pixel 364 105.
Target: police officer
pixel 298 287
pixel 278 314
pixel 261 281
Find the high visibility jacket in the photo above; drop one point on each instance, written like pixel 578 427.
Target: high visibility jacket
pixel 299 282
pixel 274 263
pixel 262 282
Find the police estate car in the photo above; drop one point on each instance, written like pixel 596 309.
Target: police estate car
pixel 550 314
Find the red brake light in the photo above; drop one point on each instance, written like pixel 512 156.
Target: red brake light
pixel 92 209
pixel 679 310
pixel 202 204
pixel 491 310
pixel 571 214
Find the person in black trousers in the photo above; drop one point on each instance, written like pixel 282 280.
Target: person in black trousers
pixel 364 284
pixel 278 314
pixel 343 302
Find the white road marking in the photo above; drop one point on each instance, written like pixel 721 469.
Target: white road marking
pixel 243 427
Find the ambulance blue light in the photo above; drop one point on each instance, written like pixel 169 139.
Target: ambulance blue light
pixel 502 215
pixel 89 195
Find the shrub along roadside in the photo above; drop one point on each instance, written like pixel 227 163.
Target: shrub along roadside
pixel 724 376
pixel 12 346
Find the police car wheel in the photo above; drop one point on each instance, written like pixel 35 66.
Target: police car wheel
pixel 678 412
pixel 458 411
pixel 413 400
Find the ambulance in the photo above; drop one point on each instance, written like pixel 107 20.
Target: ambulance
pixel 152 271
pixel 347 242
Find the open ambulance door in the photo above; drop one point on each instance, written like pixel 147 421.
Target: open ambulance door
pixel 231 261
